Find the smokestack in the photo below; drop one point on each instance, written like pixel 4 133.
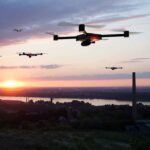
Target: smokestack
pixel 26 99
pixel 134 115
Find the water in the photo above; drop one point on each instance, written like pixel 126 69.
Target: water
pixel 95 102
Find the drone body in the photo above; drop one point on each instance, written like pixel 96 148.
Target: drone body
pixel 88 38
pixel 114 68
pixel 30 54
pixel 18 30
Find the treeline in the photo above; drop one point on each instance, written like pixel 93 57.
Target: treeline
pixel 74 115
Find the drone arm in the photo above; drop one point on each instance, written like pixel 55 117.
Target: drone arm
pixel 56 37
pixel 125 34
pixel 112 35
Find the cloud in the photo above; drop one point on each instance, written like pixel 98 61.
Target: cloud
pixel 51 66
pixel 118 19
pixel 91 77
pixel 142 58
pixel 36 16
pixel 137 60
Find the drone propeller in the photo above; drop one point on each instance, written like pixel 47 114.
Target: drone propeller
pixel 9 55
pixel 67 24
pixel 123 29
pixel 74 25
pixel 132 32
pixel 50 33
pixel 43 53
pixel 105 39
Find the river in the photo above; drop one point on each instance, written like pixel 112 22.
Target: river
pixel 95 102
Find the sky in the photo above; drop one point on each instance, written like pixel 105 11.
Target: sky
pixel 66 63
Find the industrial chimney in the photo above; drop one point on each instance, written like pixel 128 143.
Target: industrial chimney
pixel 134 111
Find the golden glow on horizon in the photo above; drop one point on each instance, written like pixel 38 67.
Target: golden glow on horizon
pixel 12 84
pixel 87 83
pixel 75 83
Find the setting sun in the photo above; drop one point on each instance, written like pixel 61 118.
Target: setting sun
pixel 12 84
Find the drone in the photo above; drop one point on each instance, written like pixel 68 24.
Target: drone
pixel 114 68
pixel 86 38
pixel 18 30
pixel 30 54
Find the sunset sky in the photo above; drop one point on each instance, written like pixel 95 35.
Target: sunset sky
pixel 67 63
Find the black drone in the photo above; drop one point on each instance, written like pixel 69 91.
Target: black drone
pixel 89 38
pixel 114 68
pixel 18 30
pixel 30 54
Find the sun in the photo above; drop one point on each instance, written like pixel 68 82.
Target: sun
pixel 12 84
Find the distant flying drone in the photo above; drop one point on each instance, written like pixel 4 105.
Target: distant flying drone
pixel 18 30
pixel 88 38
pixel 114 68
pixel 30 54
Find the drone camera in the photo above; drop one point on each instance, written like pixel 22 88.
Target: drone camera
pixel 86 43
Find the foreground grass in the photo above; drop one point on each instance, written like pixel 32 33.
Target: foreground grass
pixel 71 140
